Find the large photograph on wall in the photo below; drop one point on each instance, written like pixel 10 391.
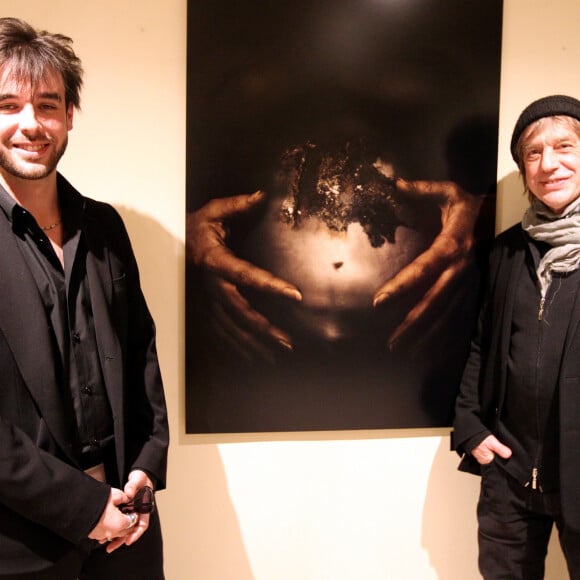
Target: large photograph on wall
pixel 341 173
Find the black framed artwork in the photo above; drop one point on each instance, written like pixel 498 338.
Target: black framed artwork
pixel 341 174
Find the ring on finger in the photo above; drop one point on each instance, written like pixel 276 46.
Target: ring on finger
pixel 132 519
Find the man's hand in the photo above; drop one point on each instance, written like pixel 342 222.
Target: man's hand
pixel 486 451
pixel 443 261
pixel 113 524
pixel 137 479
pixel 243 327
pixel 115 527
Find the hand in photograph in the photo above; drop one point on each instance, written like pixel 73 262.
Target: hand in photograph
pixel 447 257
pixel 236 321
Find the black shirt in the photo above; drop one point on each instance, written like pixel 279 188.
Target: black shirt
pixel 65 294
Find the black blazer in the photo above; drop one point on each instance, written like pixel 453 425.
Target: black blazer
pixel 482 391
pixel 47 504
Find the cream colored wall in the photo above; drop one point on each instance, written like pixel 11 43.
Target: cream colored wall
pixel 319 506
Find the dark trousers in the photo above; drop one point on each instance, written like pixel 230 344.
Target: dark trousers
pixel 515 523
pixel 140 561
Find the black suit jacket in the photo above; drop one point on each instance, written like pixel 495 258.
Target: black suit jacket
pixel 482 392
pixel 47 503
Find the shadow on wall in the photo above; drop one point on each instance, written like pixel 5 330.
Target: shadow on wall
pixel 444 535
pixel 157 251
pixel 202 532
pixel 202 535
pixel 510 188
pixel 457 558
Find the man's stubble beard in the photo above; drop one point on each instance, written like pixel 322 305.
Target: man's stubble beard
pixel 33 172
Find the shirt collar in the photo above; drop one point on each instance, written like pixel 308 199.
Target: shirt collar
pixel 71 208
pixel 18 217
pixel 7 203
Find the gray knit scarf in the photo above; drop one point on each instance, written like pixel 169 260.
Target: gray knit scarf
pixel 561 231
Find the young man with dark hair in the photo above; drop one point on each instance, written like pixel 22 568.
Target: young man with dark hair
pixel 83 424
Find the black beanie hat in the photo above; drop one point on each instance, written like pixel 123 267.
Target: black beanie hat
pixel 544 107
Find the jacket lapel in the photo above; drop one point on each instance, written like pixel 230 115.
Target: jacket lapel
pixel 573 326
pixel 509 279
pixel 23 316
